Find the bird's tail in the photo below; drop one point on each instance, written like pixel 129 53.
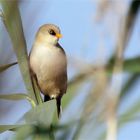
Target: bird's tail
pixel 59 108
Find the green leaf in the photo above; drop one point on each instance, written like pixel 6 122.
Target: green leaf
pixel 38 132
pixel 41 114
pixel 5 67
pixel 130 65
pixel 132 111
pixel 37 91
pixel 128 85
pixel 13 24
pixel 24 132
pixel 4 128
pixel 18 96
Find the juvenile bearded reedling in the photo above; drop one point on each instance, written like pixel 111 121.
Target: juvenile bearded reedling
pixel 48 64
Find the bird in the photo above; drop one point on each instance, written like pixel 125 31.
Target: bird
pixel 48 64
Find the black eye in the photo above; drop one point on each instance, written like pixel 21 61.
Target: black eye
pixel 52 32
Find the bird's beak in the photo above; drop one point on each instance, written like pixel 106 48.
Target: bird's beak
pixel 59 35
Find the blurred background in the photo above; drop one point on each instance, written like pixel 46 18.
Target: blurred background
pixel 101 39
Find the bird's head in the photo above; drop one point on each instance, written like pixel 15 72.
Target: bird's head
pixel 49 34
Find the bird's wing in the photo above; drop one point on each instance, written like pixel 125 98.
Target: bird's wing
pixel 59 46
pixel 65 74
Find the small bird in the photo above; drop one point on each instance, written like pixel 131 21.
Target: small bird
pixel 48 64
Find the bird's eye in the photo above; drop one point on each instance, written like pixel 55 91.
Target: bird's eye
pixel 52 32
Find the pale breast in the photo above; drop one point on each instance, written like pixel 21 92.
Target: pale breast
pixel 49 64
pixel 47 58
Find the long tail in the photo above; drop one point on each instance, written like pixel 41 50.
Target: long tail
pixel 59 108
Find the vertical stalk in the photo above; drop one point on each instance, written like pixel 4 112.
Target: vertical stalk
pixel 12 20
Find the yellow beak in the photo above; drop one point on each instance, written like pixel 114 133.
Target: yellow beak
pixel 59 35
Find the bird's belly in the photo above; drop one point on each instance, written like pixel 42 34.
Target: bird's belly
pixel 52 78
pixel 50 69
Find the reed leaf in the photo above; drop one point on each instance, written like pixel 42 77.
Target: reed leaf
pixel 37 91
pixel 5 67
pixel 13 24
pixel 41 114
pixel 18 96
pixel 4 128
pixel 128 85
pixel 24 132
